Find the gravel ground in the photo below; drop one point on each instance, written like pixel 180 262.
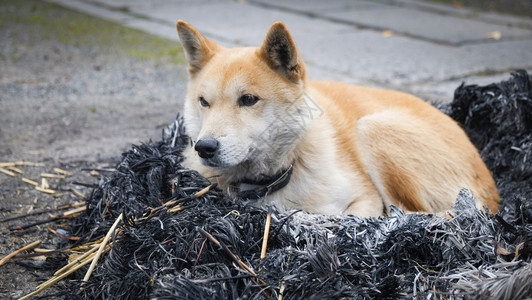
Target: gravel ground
pixel 74 93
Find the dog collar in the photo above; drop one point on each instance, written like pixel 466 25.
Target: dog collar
pixel 254 190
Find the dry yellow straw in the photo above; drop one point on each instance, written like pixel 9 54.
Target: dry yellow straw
pixel 203 191
pixel 79 194
pixel 46 191
pixel 62 172
pixel 63 275
pixel 79 260
pixel 16 170
pixel 7 172
pixel 9 256
pixel 29 181
pixel 18 163
pixel 100 249
pixel 54 176
pixel 266 235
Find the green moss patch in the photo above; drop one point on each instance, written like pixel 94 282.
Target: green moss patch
pixel 58 24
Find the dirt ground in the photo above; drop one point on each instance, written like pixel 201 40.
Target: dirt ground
pixel 75 92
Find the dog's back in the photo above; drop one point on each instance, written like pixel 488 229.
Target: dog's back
pixel 416 157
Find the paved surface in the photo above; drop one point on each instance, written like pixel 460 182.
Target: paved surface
pixel 412 45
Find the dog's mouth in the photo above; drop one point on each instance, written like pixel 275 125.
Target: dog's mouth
pixel 214 163
pixel 223 161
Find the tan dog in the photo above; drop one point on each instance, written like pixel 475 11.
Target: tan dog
pixel 266 134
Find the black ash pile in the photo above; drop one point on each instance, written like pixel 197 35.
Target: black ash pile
pixel 180 241
pixel 498 119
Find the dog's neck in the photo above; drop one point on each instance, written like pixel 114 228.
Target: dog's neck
pixel 254 189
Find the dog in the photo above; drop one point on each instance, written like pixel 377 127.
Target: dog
pixel 267 135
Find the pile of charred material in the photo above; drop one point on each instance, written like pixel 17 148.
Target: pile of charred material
pixel 178 237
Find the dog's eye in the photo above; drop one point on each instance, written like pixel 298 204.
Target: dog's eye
pixel 247 100
pixel 203 102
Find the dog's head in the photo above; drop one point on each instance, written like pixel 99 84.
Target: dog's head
pixel 244 106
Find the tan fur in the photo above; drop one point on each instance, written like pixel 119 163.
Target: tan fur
pixel 355 150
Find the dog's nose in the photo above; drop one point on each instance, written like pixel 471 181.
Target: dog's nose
pixel 206 147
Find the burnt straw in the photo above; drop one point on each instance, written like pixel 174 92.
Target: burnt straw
pixel 175 244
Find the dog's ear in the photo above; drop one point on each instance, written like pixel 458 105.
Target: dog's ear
pixel 198 49
pixel 280 52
